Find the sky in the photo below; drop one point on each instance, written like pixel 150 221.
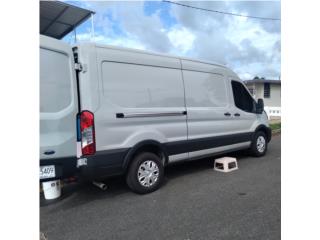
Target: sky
pixel 250 47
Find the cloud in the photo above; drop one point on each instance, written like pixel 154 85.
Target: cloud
pixel 245 45
pixel 181 39
pixel 135 25
pixel 270 9
pixel 250 47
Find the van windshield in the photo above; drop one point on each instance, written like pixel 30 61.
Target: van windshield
pixel 55 81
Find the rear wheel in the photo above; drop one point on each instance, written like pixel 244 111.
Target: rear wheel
pixel 259 144
pixel 145 174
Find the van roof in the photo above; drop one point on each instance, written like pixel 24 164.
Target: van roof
pixel 157 54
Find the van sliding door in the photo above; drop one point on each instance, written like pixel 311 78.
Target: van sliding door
pixel 141 102
pixel 209 116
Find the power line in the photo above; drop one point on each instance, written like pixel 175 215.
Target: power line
pixel 221 12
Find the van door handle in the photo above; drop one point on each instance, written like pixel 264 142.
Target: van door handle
pixel 227 114
pixel 237 114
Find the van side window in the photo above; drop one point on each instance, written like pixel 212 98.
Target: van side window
pixel 137 86
pixel 205 89
pixel 242 98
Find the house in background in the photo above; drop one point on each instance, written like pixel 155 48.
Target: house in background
pixel 270 92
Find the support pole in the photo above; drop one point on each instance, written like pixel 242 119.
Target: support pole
pixel 92 28
pixel 75 35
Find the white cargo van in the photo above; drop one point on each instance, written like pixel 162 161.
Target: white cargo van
pixel 109 111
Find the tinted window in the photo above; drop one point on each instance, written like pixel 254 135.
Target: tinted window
pixel 205 89
pixel 242 98
pixel 266 92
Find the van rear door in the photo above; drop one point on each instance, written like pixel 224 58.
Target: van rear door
pixel 58 103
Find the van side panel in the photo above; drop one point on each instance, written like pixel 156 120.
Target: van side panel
pixel 142 98
pixel 89 81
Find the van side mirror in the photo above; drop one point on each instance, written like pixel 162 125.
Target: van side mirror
pixel 260 106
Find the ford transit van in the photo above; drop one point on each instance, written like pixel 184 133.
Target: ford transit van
pixel 107 111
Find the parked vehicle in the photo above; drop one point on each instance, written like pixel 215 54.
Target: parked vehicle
pixel 109 111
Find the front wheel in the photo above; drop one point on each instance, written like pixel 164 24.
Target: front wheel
pixel 145 173
pixel 259 144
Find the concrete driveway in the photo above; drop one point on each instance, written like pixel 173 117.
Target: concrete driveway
pixel 195 202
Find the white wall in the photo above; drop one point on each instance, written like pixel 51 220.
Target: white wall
pixel 275 95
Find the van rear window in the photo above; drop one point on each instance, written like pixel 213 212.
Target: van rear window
pixel 55 81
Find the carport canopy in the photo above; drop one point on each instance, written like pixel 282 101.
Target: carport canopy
pixel 57 19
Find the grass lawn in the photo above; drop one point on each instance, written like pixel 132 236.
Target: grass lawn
pixel 275 126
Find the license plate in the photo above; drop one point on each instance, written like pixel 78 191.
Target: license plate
pixel 47 171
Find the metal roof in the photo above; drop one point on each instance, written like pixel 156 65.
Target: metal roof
pixel 57 19
pixel 262 81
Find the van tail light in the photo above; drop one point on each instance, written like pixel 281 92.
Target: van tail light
pixel 88 141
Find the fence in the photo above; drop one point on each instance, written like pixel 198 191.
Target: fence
pixel 273 112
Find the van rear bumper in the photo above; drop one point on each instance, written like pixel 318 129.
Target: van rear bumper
pixel 104 164
pixel 64 167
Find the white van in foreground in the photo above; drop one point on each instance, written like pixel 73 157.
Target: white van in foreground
pixel 109 111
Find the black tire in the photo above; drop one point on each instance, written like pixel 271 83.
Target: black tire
pixel 254 149
pixel 132 173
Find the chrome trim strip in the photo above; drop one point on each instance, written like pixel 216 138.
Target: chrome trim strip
pixel 158 114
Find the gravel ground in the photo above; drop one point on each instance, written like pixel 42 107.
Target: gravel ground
pixel 195 202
